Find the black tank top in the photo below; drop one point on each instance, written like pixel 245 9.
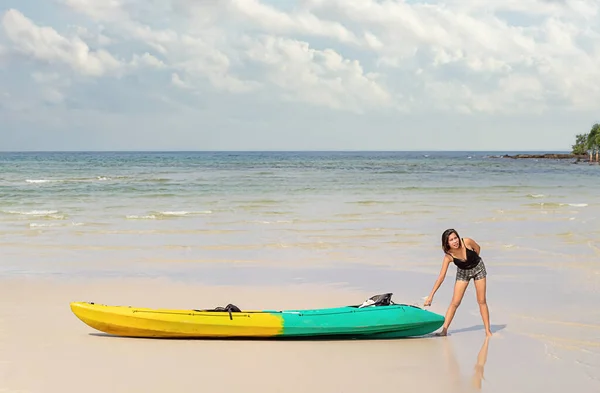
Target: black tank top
pixel 472 260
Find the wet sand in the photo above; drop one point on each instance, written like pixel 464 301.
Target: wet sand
pixel 45 348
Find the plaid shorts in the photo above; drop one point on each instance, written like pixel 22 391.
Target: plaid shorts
pixel 476 273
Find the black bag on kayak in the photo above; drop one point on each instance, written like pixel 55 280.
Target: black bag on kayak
pixel 384 299
pixel 228 308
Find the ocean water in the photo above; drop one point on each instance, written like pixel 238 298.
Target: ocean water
pixel 71 212
pixel 369 219
pixel 332 208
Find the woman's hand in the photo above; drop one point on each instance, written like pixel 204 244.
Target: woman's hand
pixel 440 280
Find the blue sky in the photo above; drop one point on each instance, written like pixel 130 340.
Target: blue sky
pixel 298 75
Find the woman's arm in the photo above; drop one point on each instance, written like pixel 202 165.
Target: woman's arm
pixel 472 244
pixel 439 280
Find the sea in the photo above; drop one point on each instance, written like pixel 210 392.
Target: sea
pixel 370 220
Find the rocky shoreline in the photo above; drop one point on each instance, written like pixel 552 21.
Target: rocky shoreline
pixel 552 156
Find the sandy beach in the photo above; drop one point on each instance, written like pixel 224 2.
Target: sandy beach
pixel 46 349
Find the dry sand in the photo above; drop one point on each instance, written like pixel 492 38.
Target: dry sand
pixel 44 348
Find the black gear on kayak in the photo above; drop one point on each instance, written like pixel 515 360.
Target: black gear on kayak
pixel 228 308
pixel 384 299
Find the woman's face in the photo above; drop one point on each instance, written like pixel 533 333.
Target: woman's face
pixel 453 241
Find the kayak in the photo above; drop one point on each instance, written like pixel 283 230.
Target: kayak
pixel 369 320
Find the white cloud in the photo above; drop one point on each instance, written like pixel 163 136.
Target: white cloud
pixel 52 85
pixel 456 44
pixel 322 77
pixel 46 44
pixel 95 39
pixel 41 77
pixel 146 60
pixel 461 44
pixel 177 81
pixel 279 22
pixel 106 10
pixel 192 55
pixel 368 57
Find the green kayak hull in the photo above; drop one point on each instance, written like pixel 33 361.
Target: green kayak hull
pixel 392 321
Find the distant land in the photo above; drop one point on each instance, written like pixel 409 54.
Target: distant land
pixel 551 156
pixel 586 146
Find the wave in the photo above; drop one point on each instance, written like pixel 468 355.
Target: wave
pixel 100 178
pixel 406 212
pixel 164 231
pixel 136 217
pixel 39 181
pixel 166 214
pixel 31 212
pixel 47 225
pixel 257 202
pixel 374 214
pixel 54 214
pixel 183 213
pixel 280 245
pixel 371 202
pixel 68 180
pixel 274 222
pixel 555 204
pixel 50 225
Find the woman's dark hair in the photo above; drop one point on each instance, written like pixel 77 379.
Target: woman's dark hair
pixel 445 237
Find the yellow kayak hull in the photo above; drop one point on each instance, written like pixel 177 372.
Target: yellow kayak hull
pixel 145 322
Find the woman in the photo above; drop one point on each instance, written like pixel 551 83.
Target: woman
pixel 469 265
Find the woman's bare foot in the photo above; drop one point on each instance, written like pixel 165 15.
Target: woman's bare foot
pixel 488 333
pixel 444 332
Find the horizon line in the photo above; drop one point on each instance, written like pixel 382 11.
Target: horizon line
pixel 542 151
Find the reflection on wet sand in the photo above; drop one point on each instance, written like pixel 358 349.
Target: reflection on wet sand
pixel 457 383
pixel 481 359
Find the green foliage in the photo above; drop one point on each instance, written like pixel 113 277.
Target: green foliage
pixel 580 146
pixel 593 139
pixel 588 142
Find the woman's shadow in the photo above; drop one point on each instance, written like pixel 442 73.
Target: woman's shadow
pixel 493 328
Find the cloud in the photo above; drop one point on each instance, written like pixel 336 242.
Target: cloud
pixel 322 77
pixel 46 44
pixel 177 81
pixel 459 49
pixel 476 50
pixel 196 56
pixel 269 18
pixel 107 10
pixel 370 58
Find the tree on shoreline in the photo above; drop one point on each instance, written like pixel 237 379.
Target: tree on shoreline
pixel 593 141
pixel 588 143
pixel 580 146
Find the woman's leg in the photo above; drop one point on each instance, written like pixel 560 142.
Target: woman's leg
pixel 480 288
pixel 460 287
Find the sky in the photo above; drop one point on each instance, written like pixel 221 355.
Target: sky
pixel 298 75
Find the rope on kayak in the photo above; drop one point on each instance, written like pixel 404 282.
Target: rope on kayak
pixel 228 308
